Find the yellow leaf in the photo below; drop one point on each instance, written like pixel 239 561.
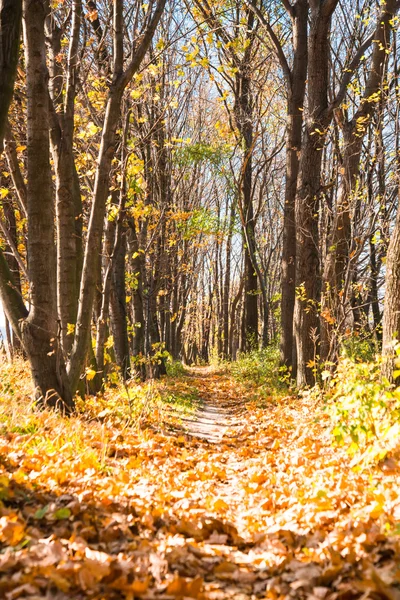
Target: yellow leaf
pixel 12 531
pixel 90 373
pixel 376 510
pixel 220 504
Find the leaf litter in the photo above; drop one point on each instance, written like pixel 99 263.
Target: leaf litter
pixel 234 500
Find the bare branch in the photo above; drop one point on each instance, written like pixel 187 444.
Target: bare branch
pixel 142 44
pixel 288 7
pixel 274 39
pixel 14 250
pixel 13 165
pixel 349 72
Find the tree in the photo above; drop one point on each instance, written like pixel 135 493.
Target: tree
pixel 55 377
pixel 341 244
pixel 10 31
pixel 295 81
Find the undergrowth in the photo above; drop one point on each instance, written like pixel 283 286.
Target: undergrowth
pixel 132 405
pixel 261 369
pixel 364 411
pixel 175 368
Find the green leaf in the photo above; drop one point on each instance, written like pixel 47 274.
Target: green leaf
pixel 62 513
pixel 41 512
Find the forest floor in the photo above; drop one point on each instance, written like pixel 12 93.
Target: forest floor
pixel 217 490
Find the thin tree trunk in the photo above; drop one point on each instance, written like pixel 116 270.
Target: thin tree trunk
pixel 308 194
pixel 295 104
pixel 10 32
pixel 391 311
pixel 118 312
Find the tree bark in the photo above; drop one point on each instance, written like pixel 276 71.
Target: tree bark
pixel 118 313
pixel 10 32
pixel 308 282
pixel 295 103
pixel 243 117
pixel 40 330
pixel 391 311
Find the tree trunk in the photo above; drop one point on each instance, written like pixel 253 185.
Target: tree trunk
pixel 118 312
pixel 10 31
pixel 391 311
pixel 11 225
pixel 243 112
pixel 40 331
pixel 308 285
pixel 295 103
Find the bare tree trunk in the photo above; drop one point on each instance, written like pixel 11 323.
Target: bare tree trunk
pixel 118 312
pixel 245 126
pixel 227 283
pixel 295 103
pixel 66 190
pixel 40 330
pixel 138 334
pixel 10 31
pixel 102 321
pixel 391 311
pixel 307 201
pixel 11 225
pixel 234 332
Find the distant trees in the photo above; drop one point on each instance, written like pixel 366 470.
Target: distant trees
pixel 190 180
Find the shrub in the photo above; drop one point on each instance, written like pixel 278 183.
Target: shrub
pixel 258 366
pixel 359 348
pixel 175 368
pixel 364 410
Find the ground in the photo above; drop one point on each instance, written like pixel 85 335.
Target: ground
pixel 218 491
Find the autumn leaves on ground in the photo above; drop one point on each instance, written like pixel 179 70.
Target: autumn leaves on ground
pixel 200 486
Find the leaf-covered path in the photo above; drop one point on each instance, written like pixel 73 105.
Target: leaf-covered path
pixel 218 415
pixel 236 499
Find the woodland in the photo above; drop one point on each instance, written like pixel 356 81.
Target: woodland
pixel 200 279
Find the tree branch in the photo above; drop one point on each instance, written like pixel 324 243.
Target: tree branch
pixel 13 165
pixel 143 43
pixel 11 299
pixel 274 39
pixel 288 7
pixel 328 7
pixel 15 252
pixel 349 71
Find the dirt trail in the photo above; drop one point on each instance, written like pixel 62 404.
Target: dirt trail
pixel 218 417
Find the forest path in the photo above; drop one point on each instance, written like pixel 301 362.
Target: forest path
pixel 225 492
pixel 219 413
